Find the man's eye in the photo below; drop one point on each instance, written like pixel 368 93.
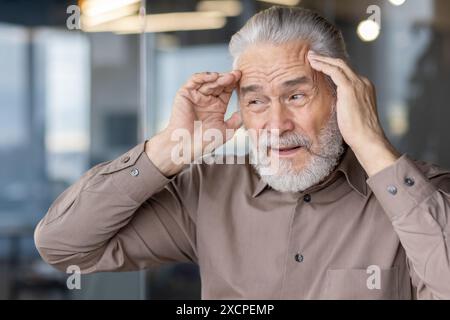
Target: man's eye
pixel 256 105
pixel 297 96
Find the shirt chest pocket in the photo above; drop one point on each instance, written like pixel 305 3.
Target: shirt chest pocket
pixel 361 284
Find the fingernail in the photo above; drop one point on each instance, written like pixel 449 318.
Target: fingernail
pixel 312 53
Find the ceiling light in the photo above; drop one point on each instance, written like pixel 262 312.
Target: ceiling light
pixel 368 30
pixel 283 2
pixel 397 2
pixel 99 7
pixel 163 22
pixel 229 8
pixel 90 21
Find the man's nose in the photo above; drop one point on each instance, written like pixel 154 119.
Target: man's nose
pixel 280 118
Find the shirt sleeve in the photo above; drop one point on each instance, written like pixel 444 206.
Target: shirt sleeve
pixel 419 209
pixel 121 215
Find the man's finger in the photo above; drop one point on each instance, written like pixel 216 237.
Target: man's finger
pixel 334 62
pixel 217 87
pixel 336 73
pixel 199 79
pixel 213 88
pixel 226 94
pixel 228 91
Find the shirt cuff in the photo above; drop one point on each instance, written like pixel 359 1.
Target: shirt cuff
pixel 400 187
pixel 134 174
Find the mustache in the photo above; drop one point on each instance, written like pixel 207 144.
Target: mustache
pixel 287 140
pixel 328 144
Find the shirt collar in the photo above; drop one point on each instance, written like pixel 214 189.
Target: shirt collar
pixel 349 165
pixel 353 171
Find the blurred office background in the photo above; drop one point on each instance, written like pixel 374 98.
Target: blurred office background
pixel 71 98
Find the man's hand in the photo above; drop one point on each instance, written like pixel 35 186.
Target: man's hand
pixel 357 114
pixel 203 98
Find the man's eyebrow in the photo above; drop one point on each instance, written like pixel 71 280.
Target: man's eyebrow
pixel 297 81
pixel 287 84
pixel 250 88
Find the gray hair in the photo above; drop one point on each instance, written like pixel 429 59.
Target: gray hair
pixel 281 24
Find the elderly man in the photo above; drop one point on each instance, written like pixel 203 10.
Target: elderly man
pixel 342 216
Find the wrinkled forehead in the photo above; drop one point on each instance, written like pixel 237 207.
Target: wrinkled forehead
pixel 267 63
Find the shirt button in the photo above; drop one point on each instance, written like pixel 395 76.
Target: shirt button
pixel 409 182
pixel 299 257
pixel 307 198
pixel 134 172
pixel 125 159
pixel 392 190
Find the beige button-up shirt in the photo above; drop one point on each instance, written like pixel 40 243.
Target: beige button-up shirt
pixel 348 238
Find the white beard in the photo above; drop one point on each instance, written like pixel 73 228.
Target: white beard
pixel 321 163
